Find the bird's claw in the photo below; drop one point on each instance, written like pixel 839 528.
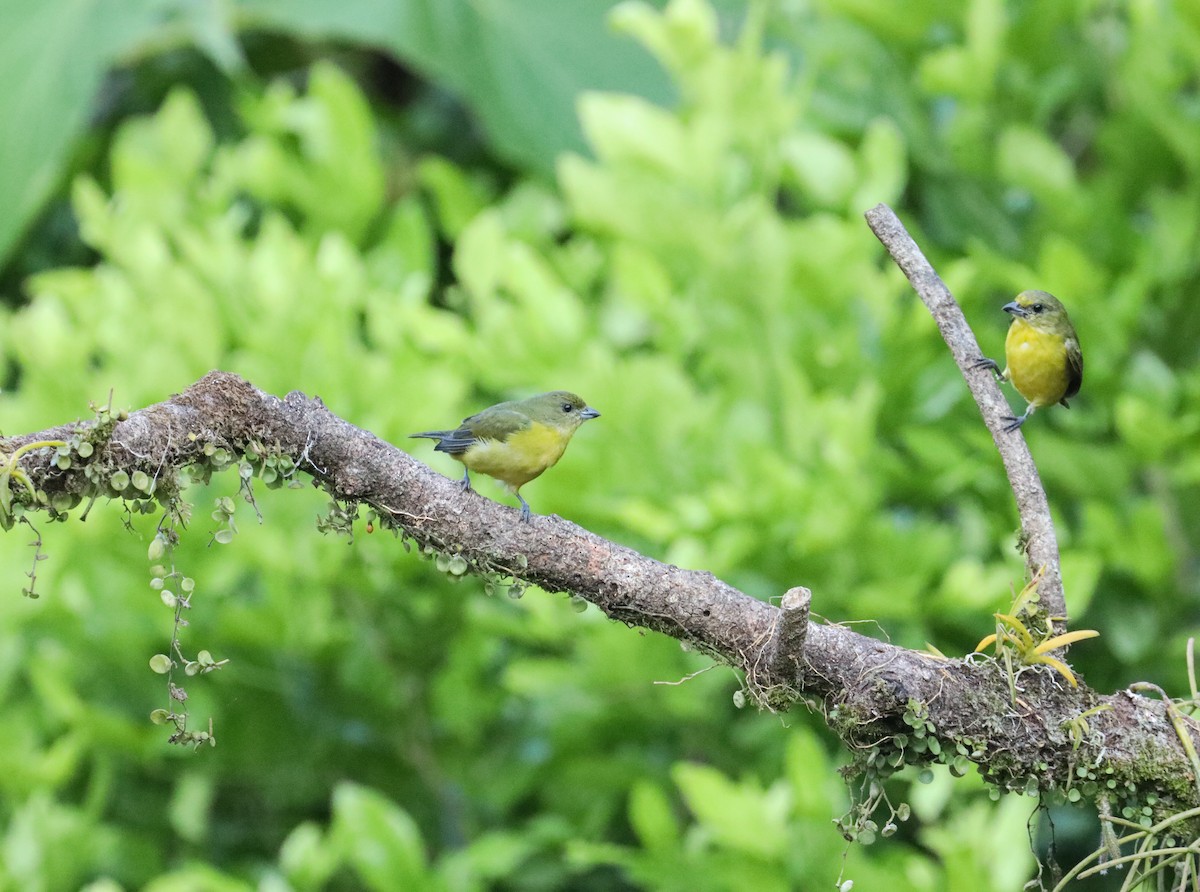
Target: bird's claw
pixel 990 364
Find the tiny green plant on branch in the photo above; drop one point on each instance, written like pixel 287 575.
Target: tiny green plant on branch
pixel 1021 636
pixel 11 474
pixel 176 591
pixel 1166 851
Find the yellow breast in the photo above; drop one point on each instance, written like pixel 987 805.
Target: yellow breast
pixel 1037 364
pixel 518 459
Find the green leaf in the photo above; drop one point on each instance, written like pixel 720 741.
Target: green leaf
pixel 306 857
pixel 379 840
pixel 480 254
pixel 490 856
pixel 652 817
pixel 807 766
pixel 156 158
pixel 519 65
pixel 1064 640
pixel 624 129
pixel 740 815
pixel 6 497
pixel 884 166
pixel 1027 158
pixel 53 55
pixel 823 168
pixel 457 195
pixel 198 876
pixel 316 153
pixel 191 805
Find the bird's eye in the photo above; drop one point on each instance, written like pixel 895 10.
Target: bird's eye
pixel 1037 308
pixel 567 407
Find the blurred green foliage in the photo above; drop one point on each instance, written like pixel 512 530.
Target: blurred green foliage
pixel 777 408
pixel 489 54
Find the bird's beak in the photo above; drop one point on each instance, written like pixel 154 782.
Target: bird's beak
pixel 1016 309
pixel 587 412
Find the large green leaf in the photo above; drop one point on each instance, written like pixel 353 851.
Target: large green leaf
pixel 53 55
pixel 518 63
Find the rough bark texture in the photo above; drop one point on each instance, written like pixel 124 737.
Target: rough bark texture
pixel 864 687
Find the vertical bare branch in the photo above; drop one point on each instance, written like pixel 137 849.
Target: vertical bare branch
pixel 1037 529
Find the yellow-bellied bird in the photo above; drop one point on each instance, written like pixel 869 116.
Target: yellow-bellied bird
pixel 515 441
pixel 1042 356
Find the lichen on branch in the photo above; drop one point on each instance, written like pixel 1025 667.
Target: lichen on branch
pixel 871 692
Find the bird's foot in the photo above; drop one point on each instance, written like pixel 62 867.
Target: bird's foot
pixel 526 514
pixel 990 364
pixel 1014 422
pixel 465 483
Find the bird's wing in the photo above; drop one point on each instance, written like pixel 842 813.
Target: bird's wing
pixel 453 442
pixel 496 423
pixel 1074 368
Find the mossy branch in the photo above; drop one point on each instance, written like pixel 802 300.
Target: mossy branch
pixel 870 692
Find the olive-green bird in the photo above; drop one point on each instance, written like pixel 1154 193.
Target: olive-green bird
pixel 515 441
pixel 1041 353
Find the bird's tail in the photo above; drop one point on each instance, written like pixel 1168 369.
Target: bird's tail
pixel 430 435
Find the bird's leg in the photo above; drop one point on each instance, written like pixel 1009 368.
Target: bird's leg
pixel 990 364
pixel 465 483
pixel 526 514
pixel 1015 422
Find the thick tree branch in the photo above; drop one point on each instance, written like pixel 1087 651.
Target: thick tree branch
pixel 1037 528
pixel 866 688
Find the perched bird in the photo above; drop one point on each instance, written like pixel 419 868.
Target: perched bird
pixel 515 441
pixel 1042 356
